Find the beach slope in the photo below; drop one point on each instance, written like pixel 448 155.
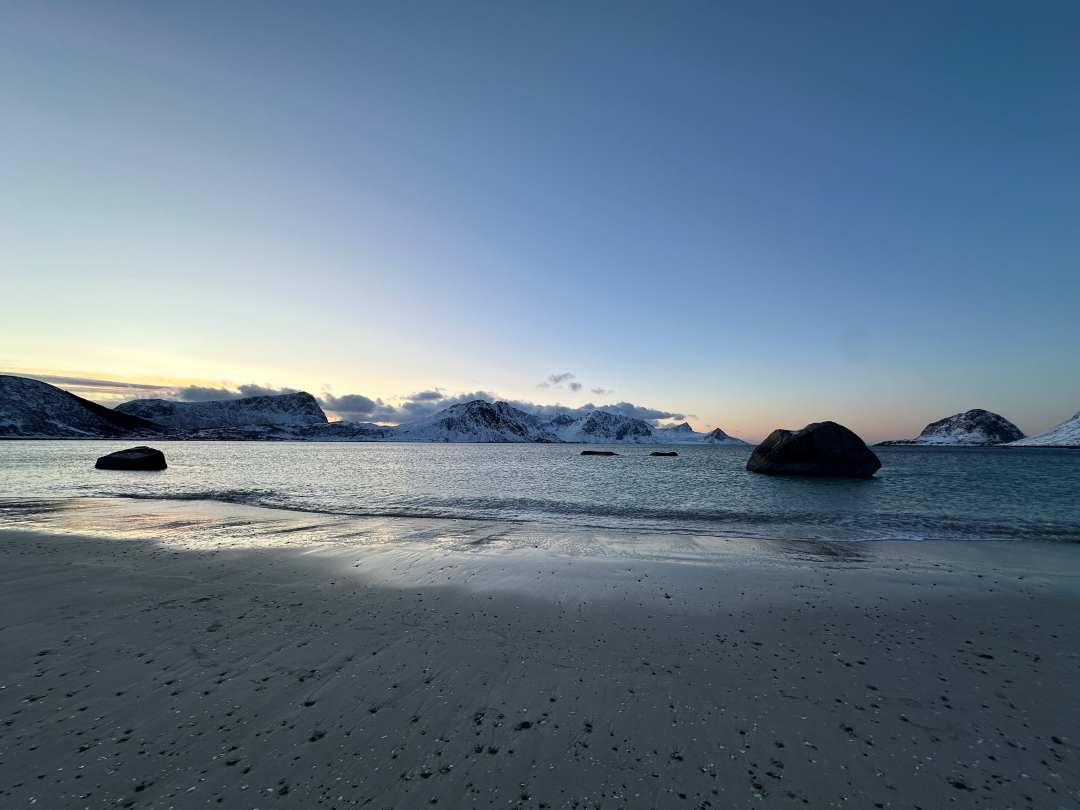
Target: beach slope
pixel 307 673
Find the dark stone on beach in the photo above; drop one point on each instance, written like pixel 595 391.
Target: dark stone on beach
pixel 662 453
pixel 134 458
pixel 598 453
pixel 820 449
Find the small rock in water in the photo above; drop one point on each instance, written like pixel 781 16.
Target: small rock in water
pixel 598 453
pixel 134 458
pixel 663 453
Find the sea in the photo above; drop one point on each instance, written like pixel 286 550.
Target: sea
pixel 920 493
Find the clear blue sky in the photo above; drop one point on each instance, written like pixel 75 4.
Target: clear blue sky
pixel 758 214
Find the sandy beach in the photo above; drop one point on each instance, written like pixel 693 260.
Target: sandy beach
pixel 292 660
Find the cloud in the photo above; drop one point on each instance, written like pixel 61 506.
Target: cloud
pixel 424 404
pixel 557 380
pixel 90 383
pixel 253 390
pixel 574 386
pixel 601 391
pixel 427 396
pixel 639 411
pixel 413 408
pixel 108 392
pixel 623 408
pixel 356 407
pixel 202 393
pixel 113 392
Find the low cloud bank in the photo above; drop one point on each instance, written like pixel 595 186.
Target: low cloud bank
pixel 424 404
pixel 201 393
pixel 358 407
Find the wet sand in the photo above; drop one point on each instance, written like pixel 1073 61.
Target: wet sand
pixel 299 661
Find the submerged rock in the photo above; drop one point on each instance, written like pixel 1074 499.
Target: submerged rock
pixel 662 453
pixel 820 449
pixel 134 458
pixel 599 453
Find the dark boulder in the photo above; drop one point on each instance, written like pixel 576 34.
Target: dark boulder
pixel 598 453
pixel 134 458
pixel 662 453
pixel 821 448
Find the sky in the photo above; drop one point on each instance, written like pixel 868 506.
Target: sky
pixel 752 215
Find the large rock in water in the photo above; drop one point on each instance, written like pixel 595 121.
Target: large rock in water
pixel 134 458
pixel 821 448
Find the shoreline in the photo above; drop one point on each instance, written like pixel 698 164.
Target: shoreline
pixel 747 444
pixel 284 662
pixel 205 522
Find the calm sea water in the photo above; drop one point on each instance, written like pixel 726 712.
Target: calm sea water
pixel 931 493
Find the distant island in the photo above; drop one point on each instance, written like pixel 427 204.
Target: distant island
pixel 974 428
pixel 33 409
pixel 982 428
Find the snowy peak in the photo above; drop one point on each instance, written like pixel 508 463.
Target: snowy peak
pixel 1067 434
pixel 974 428
pixel 601 427
pixel 674 429
pixel 279 410
pixel 477 421
pixel 34 409
pixel 717 436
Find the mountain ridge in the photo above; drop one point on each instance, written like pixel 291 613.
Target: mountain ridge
pixel 297 409
pixel 32 408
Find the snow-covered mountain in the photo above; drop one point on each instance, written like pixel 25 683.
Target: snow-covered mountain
pixel 299 410
pixel 684 434
pixel 601 427
pixel 717 436
pixel 34 409
pixel 682 429
pixel 476 421
pixel 1067 434
pixel 972 428
pixel 482 421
